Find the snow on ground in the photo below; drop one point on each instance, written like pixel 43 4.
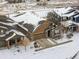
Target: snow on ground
pixel 59 52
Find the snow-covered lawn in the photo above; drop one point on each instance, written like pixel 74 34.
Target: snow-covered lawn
pixel 59 52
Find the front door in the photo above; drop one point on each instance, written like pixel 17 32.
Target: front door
pixel 12 42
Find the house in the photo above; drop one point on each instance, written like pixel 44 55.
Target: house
pixel 9 33
pixel 65 13
pixel 31 21
pixel 38 26
pixel 69 18
pixel 40 31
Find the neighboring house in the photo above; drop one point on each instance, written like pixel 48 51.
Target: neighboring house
pixel 65 13
pixel 69 16
pixel 9 33
pixel 74 18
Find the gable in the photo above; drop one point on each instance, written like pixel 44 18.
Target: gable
pixel 42 27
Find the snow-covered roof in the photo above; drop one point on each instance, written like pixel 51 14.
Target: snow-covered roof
pixel 30 17
pixel 17 32
pixel 27 17
pixel 42 13
pixel 3 27
pixel 62 11
pixel 9 24
pixel 69 15
pixel 4 2
pixel 77 15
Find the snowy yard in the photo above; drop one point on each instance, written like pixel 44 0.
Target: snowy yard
pixel 59 52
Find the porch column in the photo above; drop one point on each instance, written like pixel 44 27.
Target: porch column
pixel 8 44
pixel 16 42
pixel 24 38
